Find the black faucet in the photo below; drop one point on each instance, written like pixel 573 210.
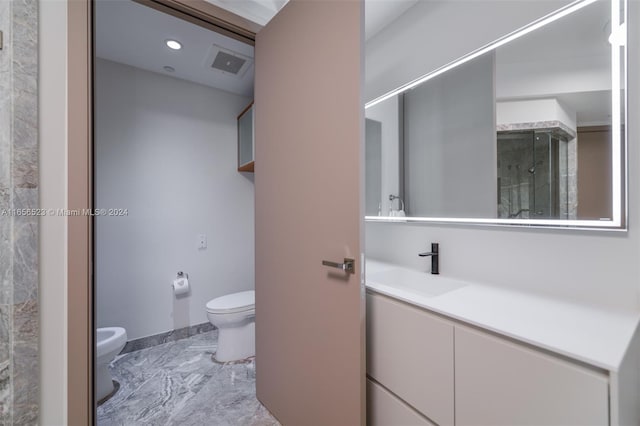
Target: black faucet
pixel 435 258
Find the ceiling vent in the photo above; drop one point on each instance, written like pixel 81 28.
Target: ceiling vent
pixel 227 61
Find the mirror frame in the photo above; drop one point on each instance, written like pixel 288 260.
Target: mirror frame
pixel 619 158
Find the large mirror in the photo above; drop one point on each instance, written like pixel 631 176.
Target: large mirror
pixel 529 130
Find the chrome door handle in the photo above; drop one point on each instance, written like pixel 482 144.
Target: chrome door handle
pixel 348 265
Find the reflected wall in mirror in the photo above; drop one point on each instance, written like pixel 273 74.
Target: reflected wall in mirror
pixel 384 159
pixel 528 130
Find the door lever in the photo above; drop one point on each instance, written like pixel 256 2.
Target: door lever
pixel 348 265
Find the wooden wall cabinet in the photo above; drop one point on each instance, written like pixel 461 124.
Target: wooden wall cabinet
pixel 246 138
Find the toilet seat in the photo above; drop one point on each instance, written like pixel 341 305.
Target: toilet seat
pixel 232 303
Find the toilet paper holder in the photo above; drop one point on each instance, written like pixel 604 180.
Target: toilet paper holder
pixel 180 285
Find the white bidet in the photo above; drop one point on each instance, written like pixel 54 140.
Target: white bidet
pixel 110 341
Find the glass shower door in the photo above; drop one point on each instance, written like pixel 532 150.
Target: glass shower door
pixel 532 175
pixel 515 183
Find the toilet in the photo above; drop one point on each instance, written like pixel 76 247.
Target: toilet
pixel 234 316
pixel 109 342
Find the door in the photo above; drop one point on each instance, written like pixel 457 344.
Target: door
pixel 309 138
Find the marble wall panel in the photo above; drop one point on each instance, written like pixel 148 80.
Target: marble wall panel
pixel 19 327
pixel 25 363
pixel 5 97
pixel 5 364
pixel 6 247
pixel 25 247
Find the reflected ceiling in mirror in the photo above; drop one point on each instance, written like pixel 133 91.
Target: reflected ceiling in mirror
pixel 528 130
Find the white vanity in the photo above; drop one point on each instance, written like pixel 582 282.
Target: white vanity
pixel 447 352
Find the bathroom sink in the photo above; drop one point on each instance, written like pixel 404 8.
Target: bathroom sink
pixel 420 282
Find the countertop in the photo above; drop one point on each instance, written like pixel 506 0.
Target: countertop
pixel 589 334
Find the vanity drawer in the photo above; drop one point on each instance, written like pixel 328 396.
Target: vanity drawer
pixel 499 382
pixel 410 352
pixel 385 409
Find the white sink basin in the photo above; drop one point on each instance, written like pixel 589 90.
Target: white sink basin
pixel 420 282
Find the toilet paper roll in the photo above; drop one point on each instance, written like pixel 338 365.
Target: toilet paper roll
pixel 180 286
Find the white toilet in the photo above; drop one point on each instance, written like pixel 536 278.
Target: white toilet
pixel 109 343
pixel 234 315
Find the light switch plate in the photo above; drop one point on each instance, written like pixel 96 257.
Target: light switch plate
pixel 202 241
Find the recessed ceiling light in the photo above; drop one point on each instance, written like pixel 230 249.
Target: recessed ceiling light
pixel 173 44
pixel 167 68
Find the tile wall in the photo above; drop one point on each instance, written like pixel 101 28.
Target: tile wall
pixel 19 390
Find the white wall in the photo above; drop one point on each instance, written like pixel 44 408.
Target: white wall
pixel 450 167
pixel 548 78
pixel 53 230
pixel 435 32
pixel 165 149
pixel 373 167
pixel 595 267
pixel 387 114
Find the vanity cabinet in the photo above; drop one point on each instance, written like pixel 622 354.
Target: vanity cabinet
pixel 410 352
pixel 424 368
pixel 499 382
pixel 386 409
pixel 246 148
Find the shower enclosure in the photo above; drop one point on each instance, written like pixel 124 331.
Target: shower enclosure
pixel 534 175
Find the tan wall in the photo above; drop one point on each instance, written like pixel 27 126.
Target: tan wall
pixel 79 295
pixel 594 172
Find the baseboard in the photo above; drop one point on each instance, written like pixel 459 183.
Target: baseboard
pixel 169 336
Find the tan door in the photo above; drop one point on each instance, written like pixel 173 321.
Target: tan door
pixel 309 129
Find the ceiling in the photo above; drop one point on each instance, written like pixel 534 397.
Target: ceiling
pixel 258 11
pixel 583 33
pixel 377 13
pixel 135 35
pixel 582 39
pixel 380 13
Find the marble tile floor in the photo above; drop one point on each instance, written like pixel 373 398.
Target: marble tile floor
pixel 178 383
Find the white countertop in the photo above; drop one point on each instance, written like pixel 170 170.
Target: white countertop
pixel 589 334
